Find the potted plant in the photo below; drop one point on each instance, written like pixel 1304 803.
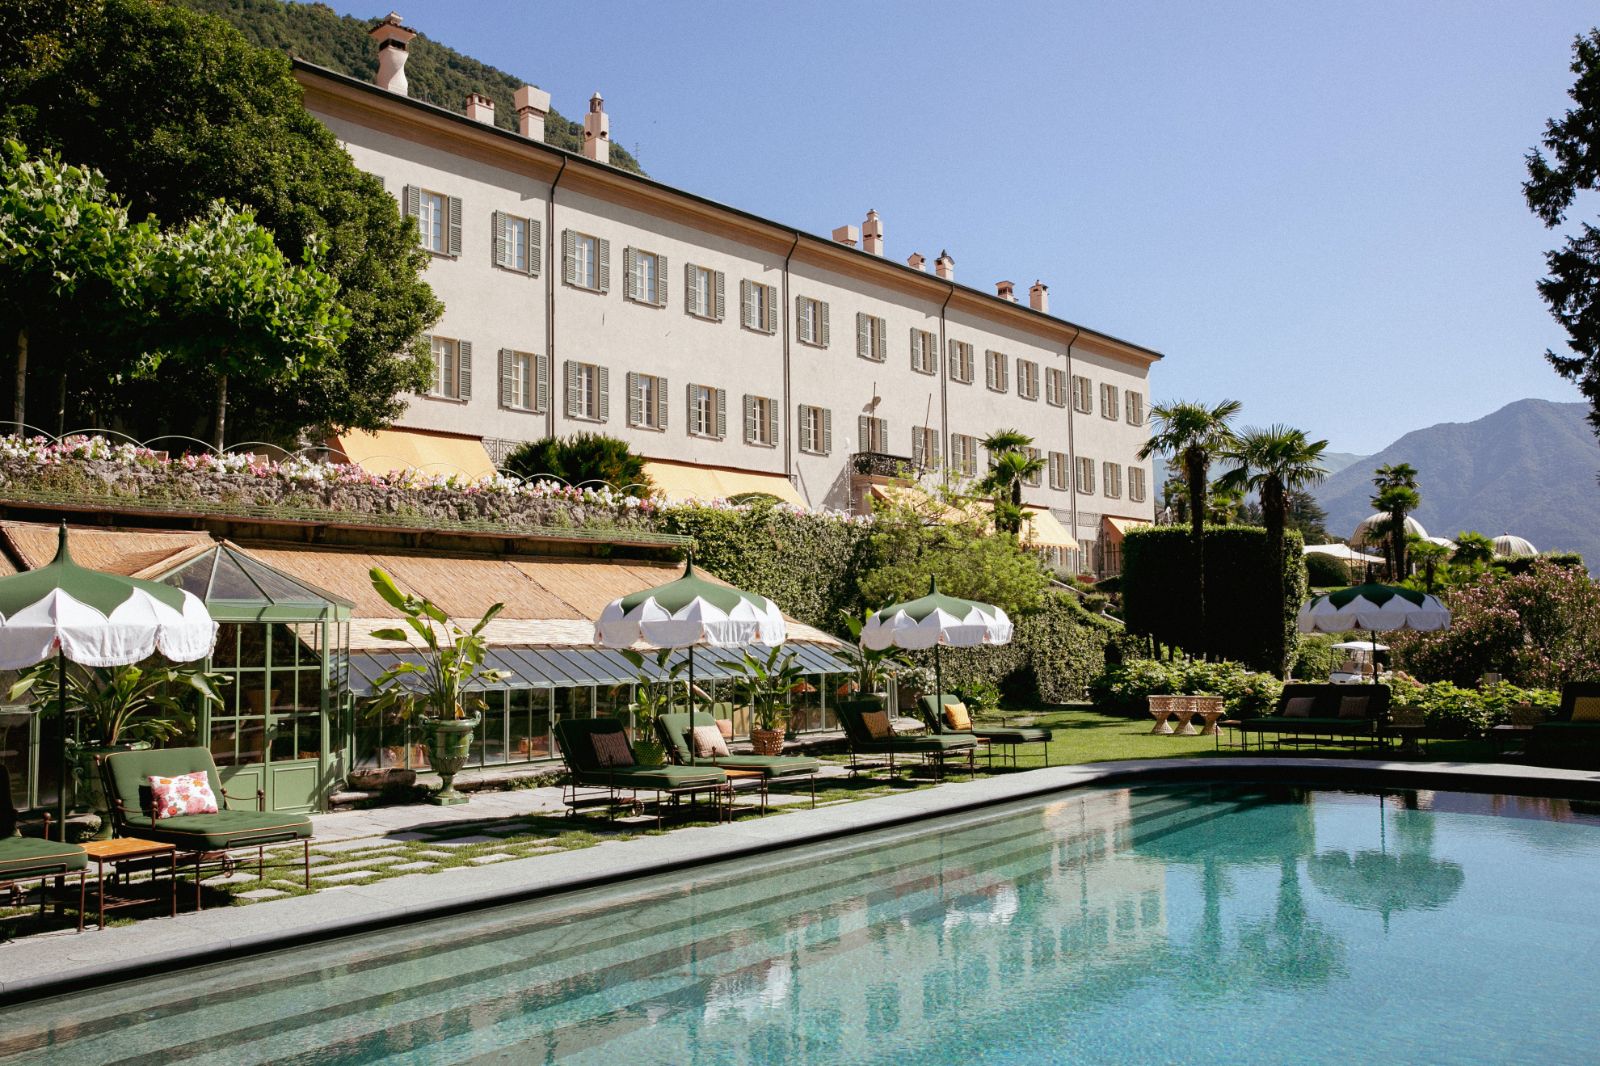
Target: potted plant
pixel 763 684
pixel 119 708
pixel 653 695
pixel 450 714
pixel 871 670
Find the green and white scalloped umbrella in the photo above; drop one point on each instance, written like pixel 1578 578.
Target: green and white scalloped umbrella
pixel 1375 608
pixel 95 619
pixel 690 612
pixel 934 621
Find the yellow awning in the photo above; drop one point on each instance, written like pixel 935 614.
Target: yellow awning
pixel 390 450
pixel 1044 530
pixel 1119 526
pixel 685 481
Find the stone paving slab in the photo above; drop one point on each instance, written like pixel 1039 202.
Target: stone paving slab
pixel 39 964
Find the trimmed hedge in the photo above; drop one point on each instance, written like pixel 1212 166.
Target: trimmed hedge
pixel 1124 688
pixel 1326 572
pixel 1246 618
pixel 1452 711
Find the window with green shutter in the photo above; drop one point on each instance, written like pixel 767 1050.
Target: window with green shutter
pixel 647 408
pixel 588 398
pixel 644 277
pixel 871 337
pixel 586 261
pixel 924 351
pixel 996 370
pixel 519 381
pixel 960 361
pixel 815 430
pixel 704 292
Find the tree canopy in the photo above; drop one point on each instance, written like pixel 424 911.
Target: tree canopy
pixel 1572 165
pixel 177 110
pixel 583 459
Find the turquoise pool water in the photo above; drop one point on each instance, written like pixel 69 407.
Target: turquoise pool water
pixel 1197 924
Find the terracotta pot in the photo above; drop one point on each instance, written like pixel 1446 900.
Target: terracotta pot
pixel 767 741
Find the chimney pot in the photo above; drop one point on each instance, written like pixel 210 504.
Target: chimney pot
pixel 1039 297
pixel 597 131
pixel 945 267
pixel 532 107
pixel 480 108
pixel 1006 290
pixel 872 233
pixel 916 262
pixel 849 235
pixel 392 39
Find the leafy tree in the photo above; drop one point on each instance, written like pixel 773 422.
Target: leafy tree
pixel 582 459
pixel 917 535
pixel 1572 286
pixel 235 305
pixel 1010 466
pixel 1397 496
pixel 178 110
pixel 1307 517
pixel 1272 462
pixel 71 266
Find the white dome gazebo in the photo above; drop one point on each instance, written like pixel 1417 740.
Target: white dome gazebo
pixel 1507 545
pixel 1367 532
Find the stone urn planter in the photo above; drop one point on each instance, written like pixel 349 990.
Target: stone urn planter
pixel 449 746
pixel 766 741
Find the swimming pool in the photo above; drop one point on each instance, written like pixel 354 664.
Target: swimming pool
pixel 1190 924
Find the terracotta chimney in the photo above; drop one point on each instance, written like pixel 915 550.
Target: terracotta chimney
pixel 532 107
pixel 847 235
pixel 1039 297
pixel 1006 290
pixel 945 267
pixel 480 108
pixel 916 262
pixel 872 233
pixel 597 131
pixel 392 39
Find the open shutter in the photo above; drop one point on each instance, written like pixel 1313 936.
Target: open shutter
pixel 691 287
pixel 719 310
pixel 502 249
pixel 572 388
pixel 507 399
pixel 464 372
pixel 917 438
pixel 535 246
pixel 863 338
pixel 749 419
pixel 800 319
pixel 771 304
pixel 747 311
pixel 864 433
pixel 602 378
pixel 661 403
pixel 772 423
pixel 827 431
pixel 693 424
pixel 604 274
pixel 635 404
pixel 413 201
pixel 916 349
pixel 661 281
pixel 933 443
pixel 880 341
pixel 822 323
pixel 541 386
pixel 455 225
pixel 722 413
pixel 630 279
pixel 569 256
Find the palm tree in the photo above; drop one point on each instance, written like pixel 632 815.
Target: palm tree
pixel 1430 555
pixel 1473 549
pixel 1274 463
pixel 1397 495
pixel 1010 464
pixel 1190 433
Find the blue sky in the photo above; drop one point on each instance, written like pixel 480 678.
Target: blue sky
pixel 1314 209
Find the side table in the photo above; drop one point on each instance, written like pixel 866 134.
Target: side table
pixel 758 776
pixel 124 852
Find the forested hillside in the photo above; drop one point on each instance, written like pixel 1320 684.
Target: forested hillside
pixel 437 74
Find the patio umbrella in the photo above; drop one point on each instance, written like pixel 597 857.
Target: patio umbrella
pixel 1375 608
pixel 95 619
pixel 688 613
pixel 934 621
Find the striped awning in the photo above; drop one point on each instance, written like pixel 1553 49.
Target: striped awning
pixel 545 667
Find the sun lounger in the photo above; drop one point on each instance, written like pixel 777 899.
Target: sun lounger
pixel 936 749
pixel 1008 737
pixel 673 731
pixel 591 784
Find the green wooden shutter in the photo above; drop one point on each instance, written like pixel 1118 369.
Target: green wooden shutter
pixel 691 287
pixel 507 399
pixel 630 277
pixel 771 305
pixel 413 201
pixel 722 413
pixel 541 387
pixel 464 372
pixel 569 256
pixel 916 349
pixel 822 323
pixel 661 403
pixel 661 281
pixel 800 319
pixel 916 446
pixel 747 311
pixel 863 341
pixel 455 225
pixel 502 248
pixel 772 422
pixel 535 246
pixel 749 419
pixel 635 406
pixel 864 433
pixel 827 431
pixel 604 274
pixel 719 308
pixel 691 424
pixel 602 378
pixel 572 388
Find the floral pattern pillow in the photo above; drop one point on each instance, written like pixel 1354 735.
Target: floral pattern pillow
pixel 184 794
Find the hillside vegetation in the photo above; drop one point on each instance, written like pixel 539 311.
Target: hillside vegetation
pixel 437 74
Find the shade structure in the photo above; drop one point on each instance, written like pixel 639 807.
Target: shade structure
pixel 1375 608
pixel 95 619
pixel 1365 646
pixel 936 621
pixel 688 613
pixel 1511 546
pixel 1368 532
pixel 1342 552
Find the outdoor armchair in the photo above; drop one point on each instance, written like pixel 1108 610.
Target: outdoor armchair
pixel 200 838
pixel 590 784
pixel 935 748
pixel 1009 737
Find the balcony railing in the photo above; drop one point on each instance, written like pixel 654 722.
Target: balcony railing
pixel 881 464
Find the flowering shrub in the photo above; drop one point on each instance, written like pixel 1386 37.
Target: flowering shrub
pixel 1123 688
pixel 1540 627
pixel 1450 710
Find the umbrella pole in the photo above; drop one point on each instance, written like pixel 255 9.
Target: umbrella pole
pixel 691 705
pixel 61 699
pixel 1372 638
pixel 938 682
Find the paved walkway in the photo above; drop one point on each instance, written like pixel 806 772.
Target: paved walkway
pixel 360 842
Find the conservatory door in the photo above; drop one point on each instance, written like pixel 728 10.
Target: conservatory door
pixel 270 734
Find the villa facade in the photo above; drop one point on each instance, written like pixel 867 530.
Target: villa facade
pixel 579 297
